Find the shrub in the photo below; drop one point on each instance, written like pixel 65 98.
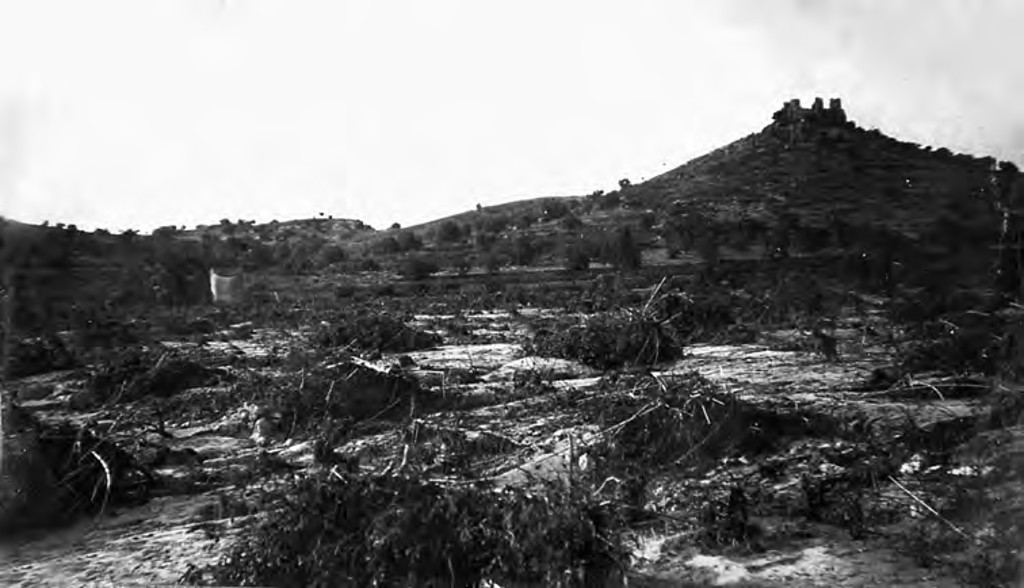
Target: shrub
pixel 134 374
pixel 612 339
pixel 380 333
pixel 391 531
pixel 491 262
pixel 577 258
pixel 418 268
pixel 60 471
pixel 555 209
pixel 369 264
pixel 449 232
pixel 957 344
pixel 461 264
pixel 38 355
pixel 329 255
pixel 621 250
pixel 345 392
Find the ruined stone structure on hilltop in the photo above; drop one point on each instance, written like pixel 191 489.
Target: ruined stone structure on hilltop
pixel 792 112
pixel 794 122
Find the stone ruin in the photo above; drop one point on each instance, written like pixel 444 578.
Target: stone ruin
pixel 794 113
pixel 794 122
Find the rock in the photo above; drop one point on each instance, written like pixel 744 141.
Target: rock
pixel 548 367
pixel 36 392
pixel 266 428
pixel 429 378
pixel 83 400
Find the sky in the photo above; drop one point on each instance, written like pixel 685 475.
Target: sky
pixel 126 114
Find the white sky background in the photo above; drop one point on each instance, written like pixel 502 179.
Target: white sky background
pixel 124 113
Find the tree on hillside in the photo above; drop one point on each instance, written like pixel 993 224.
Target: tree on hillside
pixel 449 232
pixel 329 255
pixel 461 264
pixel 577 257
pixel 524 252
pixel 128 236
pixel 555 209
pixel 1009 197
pixel 708 248
pixel 621 250
pixel 490 261
pixel 418 267
pixel 408 241
pixel 484 241
pixel 571 222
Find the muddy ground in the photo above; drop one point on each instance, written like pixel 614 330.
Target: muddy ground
pixel 842 471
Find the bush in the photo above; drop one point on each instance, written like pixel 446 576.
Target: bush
pixel 329 255
pixel 60 471
pixel 461 264
pixel 380 333
pixel 577 258
pixel 449 232
pixel 620 249
pixel 395 531
pixel 346 392
pixel 612 339
pixel 491 262
pixel 134 374
pixel 957 344
pixel 418 268
pixel 37 355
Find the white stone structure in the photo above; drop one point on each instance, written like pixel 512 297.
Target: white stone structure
pixel 227 286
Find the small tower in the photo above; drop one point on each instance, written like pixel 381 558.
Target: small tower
pixel 836 112
pixel 819 106
pixel 793 109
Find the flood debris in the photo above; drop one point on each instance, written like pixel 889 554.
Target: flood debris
pixel 56 472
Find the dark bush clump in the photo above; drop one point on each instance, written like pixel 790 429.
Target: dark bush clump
pixel 700 317
pixel 375 332
pixel 66 471
pixel 960 343
pixel 347 392
pixel 39 355
pixel 135 374
pixel 397 531
pixel 418 268
pixel 612 339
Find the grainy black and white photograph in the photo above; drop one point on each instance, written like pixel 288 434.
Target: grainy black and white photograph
pixel 466 294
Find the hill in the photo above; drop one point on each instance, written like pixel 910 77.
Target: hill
pixel 811 182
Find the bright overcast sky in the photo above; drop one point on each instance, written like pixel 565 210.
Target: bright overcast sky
pixel 129 113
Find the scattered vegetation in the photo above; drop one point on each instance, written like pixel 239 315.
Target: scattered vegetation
pixel 367 531
pixel 611 339
pixel 377 332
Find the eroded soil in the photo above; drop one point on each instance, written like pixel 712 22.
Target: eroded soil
pixel 830 418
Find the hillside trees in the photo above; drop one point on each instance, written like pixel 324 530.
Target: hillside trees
pixel 555 209
pixel 450 232
pixel 577 256
pixel 400 242
pixel 461 264
pixel 621 250
pixel 329 255
pixel 523 250
pixel 1009 197
pixel 418 267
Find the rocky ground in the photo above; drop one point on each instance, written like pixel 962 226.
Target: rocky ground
pixel 838 479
